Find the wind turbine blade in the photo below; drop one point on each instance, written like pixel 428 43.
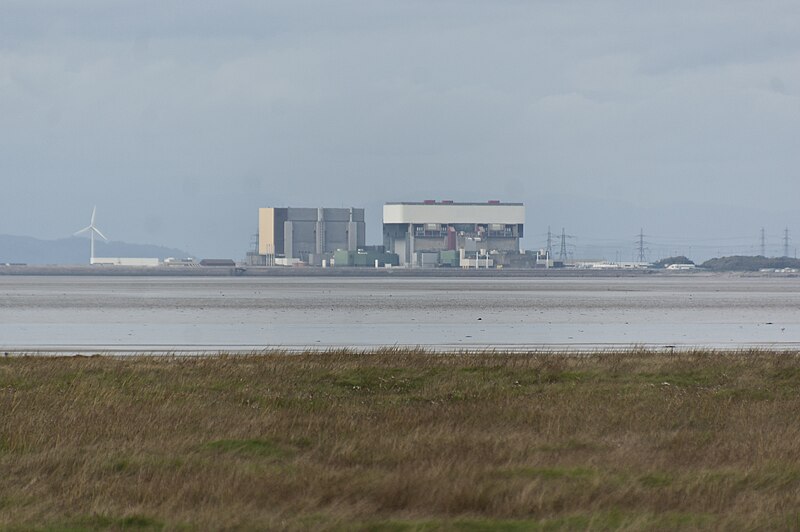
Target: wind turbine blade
pixel 101 235
pixel 94 211
pixel 82 231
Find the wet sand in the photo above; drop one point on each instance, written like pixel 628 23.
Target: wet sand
pixel 100 314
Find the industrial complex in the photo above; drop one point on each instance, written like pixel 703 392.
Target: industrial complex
pixel 422 234
pixel 415 235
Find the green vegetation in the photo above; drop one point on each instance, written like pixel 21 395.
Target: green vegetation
pixel 663 263
pixel 749 264
pixel 248 447
pixel 401 440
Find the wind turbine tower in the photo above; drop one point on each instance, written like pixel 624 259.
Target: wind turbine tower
pixel 92 230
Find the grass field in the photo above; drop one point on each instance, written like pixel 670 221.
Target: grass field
pixel 401 440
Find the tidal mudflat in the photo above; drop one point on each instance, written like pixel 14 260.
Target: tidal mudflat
pixel 89 314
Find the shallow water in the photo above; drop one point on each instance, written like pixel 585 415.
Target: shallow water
pixel 84 314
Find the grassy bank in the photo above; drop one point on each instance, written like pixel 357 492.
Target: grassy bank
pixel 401 440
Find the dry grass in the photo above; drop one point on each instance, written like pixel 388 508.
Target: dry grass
pixel 401 440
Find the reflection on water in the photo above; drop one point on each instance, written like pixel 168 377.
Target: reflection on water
pixel 79 313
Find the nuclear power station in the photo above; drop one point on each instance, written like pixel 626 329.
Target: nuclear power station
pixel 423 234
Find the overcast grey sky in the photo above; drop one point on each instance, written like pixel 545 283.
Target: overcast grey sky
pixel 179 119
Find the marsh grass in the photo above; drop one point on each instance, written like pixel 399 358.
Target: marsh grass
pixel 401 440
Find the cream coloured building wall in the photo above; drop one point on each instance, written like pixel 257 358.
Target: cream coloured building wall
pixel 266 230
pixel 443 213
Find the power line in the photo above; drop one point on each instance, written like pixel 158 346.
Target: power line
pixel 647 246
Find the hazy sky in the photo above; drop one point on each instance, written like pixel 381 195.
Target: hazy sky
pixel 179 119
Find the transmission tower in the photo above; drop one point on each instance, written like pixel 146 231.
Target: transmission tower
pixel 563 254
pixel 763 244
pixel 640 243
pixel 254 242
pixel 786 242
pixel 549 242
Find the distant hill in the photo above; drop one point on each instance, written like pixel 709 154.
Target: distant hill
pixel 749 264
pixel 74 250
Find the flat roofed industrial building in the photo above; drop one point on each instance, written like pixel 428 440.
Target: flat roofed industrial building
pixel 308 234
pixel 411 229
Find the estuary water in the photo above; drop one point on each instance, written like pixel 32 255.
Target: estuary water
pixel 166 314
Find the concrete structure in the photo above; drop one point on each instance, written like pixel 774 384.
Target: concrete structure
pixel 371 257
pixel 124 261
pixel 225 263
pixel 310 235
pixel 418 232
pixel 476 259
pixel 187 261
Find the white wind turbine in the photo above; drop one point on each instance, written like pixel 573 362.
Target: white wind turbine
pixel 92 231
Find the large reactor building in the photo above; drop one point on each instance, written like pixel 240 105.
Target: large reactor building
pixel 427 231
pixel 310 235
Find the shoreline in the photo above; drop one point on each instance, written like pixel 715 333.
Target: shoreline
pixel 342 271
pixel 566 350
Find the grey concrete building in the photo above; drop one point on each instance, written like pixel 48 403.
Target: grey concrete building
pixel 310 235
